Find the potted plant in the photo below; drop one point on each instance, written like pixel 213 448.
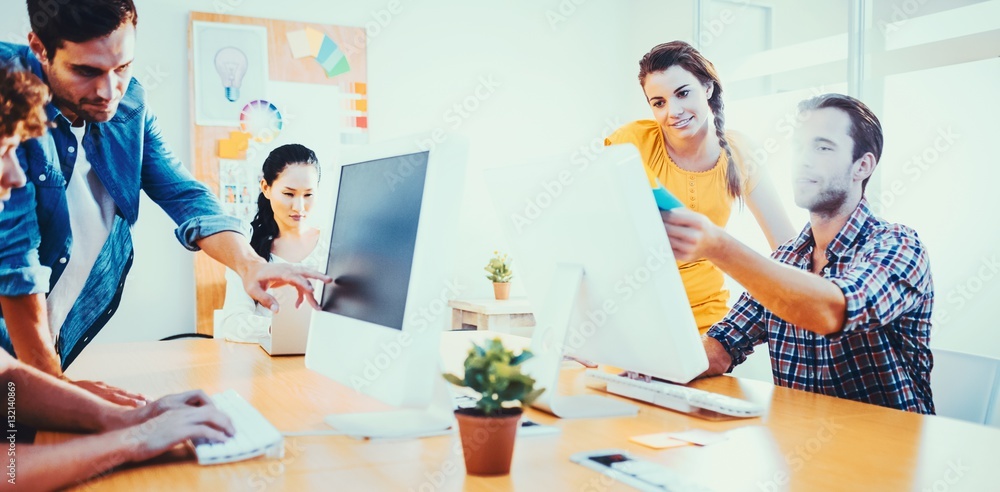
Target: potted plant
pixel 500 273
pixel 488 429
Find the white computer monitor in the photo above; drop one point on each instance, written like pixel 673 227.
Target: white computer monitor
pixel 378 332
pixel 590 249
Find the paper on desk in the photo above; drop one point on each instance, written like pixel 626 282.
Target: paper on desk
pixel 660 440
pixel 700 437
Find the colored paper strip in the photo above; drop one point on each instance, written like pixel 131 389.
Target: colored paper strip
pixel 298 41
pixel 341 67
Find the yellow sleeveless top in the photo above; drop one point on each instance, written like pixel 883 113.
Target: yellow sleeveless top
pixel 704 192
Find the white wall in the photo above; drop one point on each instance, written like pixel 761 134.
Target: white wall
pixel 566 76
pixel 566 72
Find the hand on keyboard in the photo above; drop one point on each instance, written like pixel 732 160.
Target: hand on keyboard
pixel 254 436
pixel 190 399
pixel 176 426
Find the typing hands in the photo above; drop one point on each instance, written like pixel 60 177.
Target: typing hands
pixel 174 419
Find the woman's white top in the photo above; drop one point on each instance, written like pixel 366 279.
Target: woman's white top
pixel 242 318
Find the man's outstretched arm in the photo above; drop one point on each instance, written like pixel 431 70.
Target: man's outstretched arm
pixel 801 298
pixel 231 249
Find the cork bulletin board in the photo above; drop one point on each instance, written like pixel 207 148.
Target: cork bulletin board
pixel 257 84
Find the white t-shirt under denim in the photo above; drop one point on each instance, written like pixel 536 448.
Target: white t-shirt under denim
pixel 242 318
pixel 91 214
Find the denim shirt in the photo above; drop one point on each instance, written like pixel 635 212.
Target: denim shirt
pixel 128 155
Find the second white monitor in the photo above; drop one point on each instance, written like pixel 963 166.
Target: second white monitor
pixel 630 309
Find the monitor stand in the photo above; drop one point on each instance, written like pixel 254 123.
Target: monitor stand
pixel 547 345
pixel 434 420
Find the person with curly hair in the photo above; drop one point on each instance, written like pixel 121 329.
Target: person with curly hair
pixel 60 287
pixel 22 116
pixel 120 434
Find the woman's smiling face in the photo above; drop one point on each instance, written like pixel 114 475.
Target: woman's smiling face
pixel 679 101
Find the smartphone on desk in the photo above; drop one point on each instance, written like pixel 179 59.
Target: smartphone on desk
pixel 635 472
pixel 531 428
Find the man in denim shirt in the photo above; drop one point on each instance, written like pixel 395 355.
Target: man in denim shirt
pixel 68 231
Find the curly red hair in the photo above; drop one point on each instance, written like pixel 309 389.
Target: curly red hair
pixel 23 97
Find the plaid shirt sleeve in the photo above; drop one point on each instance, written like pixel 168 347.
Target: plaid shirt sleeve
pixel 741 329
pixel 890 280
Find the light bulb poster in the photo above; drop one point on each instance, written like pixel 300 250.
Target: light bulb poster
pixel 230 70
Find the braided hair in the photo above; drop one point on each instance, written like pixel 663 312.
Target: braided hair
pixel 666 55
pixel 265 228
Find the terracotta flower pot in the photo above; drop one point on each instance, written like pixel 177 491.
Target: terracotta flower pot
pixel 487 442
pixel 501 290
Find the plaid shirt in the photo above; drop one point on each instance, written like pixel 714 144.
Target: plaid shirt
pixel 881 355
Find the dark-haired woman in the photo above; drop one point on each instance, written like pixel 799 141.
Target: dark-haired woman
pixel 688 149
pixel 281 234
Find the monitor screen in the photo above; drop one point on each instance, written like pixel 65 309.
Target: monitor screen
pixel 374 233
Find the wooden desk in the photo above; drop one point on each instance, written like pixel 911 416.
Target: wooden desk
pixel 804 442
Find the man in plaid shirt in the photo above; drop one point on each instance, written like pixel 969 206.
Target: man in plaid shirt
pixel 846 308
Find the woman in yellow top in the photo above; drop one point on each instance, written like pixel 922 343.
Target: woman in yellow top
pixel 688 149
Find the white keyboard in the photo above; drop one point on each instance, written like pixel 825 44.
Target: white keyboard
pixel 255 436
pixel 676 397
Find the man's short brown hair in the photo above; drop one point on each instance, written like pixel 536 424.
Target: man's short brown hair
pixel 22 103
